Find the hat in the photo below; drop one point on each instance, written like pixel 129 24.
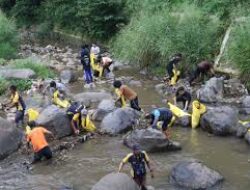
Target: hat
pixel 136 148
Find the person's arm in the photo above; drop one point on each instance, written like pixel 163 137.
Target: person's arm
pixel 76 131
pixel 123 162
pixel 120 167
pixel 175 100
pixel 154 124
pixel 186 105
pixel 147 159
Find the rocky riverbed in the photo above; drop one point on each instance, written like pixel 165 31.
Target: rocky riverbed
pixel 81 163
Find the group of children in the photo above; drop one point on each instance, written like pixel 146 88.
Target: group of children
pixel 94 64
pixel 80 119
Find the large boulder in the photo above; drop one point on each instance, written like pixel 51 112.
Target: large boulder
pixel 234 88
pixel 10 138
pixel 68 76
pixel 242 130
pixel 184 121
pixel 194 175
pixel 104 108
pixel 220 120
pixel 17 73
pixel 36 101
pixel 212 91
pixel 55 120
pixel 116 181
pixel 245 109
pixel 92 97
pixel 247 136
pixel 150 140
pixel 119 121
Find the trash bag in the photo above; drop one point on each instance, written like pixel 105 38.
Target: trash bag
pixel 198 110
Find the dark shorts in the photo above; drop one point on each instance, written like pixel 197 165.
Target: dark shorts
pixel 141 181
pixel 45 152
pixel 19 116
pixel 135 104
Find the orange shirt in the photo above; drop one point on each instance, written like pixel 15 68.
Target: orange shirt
pixel 127 92
pixel 37 138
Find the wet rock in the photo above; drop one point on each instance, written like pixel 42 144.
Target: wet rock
pixel 150 140
pixel 107 105
pixel 184 121
pixel 10 138
pixel 68 76
pixel 55 120
pixel 135 83
pixel 119 121
pixel 194 175
pixel 247 137
pixel 234 88
pixel 212 91
pixel 220 120
pixel 161 88
pixel 17 73
pixel 245 106
pixel 104 108
pixel 36 100
pixel 242 130
pixel 92 97
pixel 116 181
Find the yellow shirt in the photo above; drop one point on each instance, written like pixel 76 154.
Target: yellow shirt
pixel 129 156
pixel 86 123
pixel 15 100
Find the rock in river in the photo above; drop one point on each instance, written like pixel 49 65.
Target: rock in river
pixel 10 138
pixel 92 97
pixel 116 181
pixel 17 73
pixel 245 105
pixel 212 91
pixel 220 120
pixel 194 175
pixel 150 140
pixel 68 76
pixel 55 120
pixel 104 108
pixel 119 121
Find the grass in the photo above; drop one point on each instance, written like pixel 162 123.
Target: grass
pixel 42 71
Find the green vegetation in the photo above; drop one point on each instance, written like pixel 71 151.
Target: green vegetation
pixel 22 85
pixel 144 32
pixel 239 48
pixel 150 40
pixel 42 71
pixel 8 37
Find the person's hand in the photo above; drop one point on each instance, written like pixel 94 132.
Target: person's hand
pixel 77 132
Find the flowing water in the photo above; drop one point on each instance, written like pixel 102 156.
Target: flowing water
pixel 83 166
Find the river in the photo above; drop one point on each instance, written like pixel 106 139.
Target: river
pixel 81 167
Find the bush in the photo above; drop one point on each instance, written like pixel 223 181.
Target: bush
pixel 22 85
pixel 3 86
pixel 8 38
pixel 150 40
pixel 41 70
pixel 239 47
